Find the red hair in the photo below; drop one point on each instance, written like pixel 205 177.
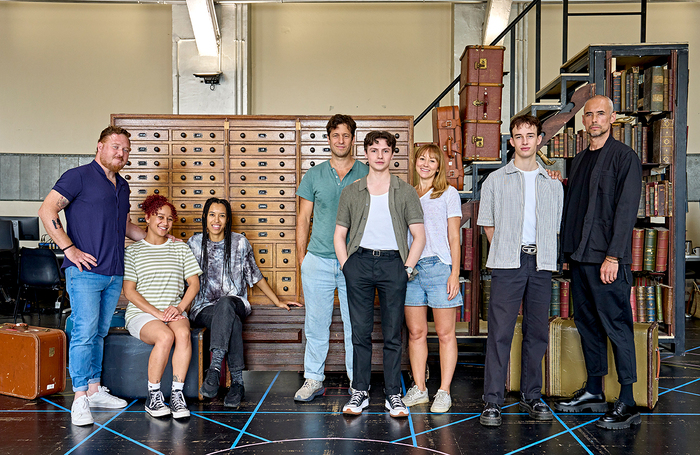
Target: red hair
pixel 153 202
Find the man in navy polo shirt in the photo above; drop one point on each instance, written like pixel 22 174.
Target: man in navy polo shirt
pixel 96 203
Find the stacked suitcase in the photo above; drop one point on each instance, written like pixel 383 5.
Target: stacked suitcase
pixel 447 134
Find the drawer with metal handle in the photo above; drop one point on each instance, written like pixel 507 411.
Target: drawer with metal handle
pixel 317 150
pixel 261 135
pixel 139 192
pixel 263 253
pixel 242 206
pixel 314 135
pixel 261 164
pixel 202 178
pixel 255 191
pixel 144 148
pixel 186 218
pixel 198 135
pixel 256 233
pixel 262 150
pixel 135 163
pixel 189 205
pixel 394 166
pixel 185 232
pixel 399 135
pixel 285 178
pixel 199 149
pixel 198 164
pixel 283 283
pixel 262 220
pixel 148 134
pixel 199 190
pixel 136 176
pixel 285 255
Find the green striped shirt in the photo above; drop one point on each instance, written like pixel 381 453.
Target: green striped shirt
pixel 159 272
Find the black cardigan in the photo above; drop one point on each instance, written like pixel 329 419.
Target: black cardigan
pixel 614 191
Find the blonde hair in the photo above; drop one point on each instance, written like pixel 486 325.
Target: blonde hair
pixel 440 184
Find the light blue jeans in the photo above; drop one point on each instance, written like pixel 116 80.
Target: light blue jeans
pixel 93 299
pixel 319 278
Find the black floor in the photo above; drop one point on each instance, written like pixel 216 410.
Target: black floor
pixel 271 422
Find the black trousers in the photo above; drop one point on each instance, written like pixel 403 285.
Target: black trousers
pixel 603 311
pixel 510 287
pixel 225 321
pixel 365 272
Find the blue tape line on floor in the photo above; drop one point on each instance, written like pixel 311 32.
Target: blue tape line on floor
pixel 252 416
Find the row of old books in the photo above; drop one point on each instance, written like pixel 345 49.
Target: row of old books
pixel 637 89
pixel 656 199
pixel 561 304
pixel 652 303
pixel 567 144
pixel 650 249
pixel 636 135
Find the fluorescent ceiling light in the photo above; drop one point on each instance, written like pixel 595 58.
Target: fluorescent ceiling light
pixel 205 26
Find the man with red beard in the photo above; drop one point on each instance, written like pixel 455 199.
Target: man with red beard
pixel 96 202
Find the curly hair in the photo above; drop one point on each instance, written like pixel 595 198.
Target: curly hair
pixel 155 201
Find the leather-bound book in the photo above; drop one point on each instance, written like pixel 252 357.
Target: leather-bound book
pixel 564 293
pixel 662 144
pixel 657 89
pixel 485 297
pixel 633 303
pixel 667 295
pixel 555 300
pixel 649 259
pixel 641 308
pixel 650 303
pixel 616 91
pixel 467 294
pixel 659 304
pixel 467 249
pixel 637 249
pixel 662 238
pixel 666 88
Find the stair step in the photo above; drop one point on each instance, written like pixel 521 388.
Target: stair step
pixel 565 81
pixel 542 110
pixel 578 63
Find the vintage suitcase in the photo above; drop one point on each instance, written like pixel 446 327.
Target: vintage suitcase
pixel 447 133
pixel 481 87
pixel 566 368
pixel 33 361
pixel 125 365
pixel 516 348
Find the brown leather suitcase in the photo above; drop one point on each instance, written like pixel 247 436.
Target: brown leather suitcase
pixel 480 101
pixel 514 363
pixel 482 140
pixel 481 64
pixel 566 368
pixel 447 133
pixel 33 361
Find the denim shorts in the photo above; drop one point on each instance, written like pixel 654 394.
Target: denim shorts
pixel 429 287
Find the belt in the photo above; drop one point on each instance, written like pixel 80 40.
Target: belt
pixel 382 253
pixel 529 249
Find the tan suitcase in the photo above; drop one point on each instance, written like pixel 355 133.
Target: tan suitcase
pixel 33 361
pixel 566 368
pixel 516 349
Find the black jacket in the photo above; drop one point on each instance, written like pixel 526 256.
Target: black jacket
pixel 614 192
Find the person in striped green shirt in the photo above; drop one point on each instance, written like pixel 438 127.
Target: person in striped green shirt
pixel 155 272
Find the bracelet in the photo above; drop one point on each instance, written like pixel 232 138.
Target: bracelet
pixel 611 259
pixel 64 249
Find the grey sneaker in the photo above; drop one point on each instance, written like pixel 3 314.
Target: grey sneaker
pixel 415 396
pixel 442 402
pixel 178 405
pixel 155 405
pixel 80 412
pixel 395 406
pixel 310 390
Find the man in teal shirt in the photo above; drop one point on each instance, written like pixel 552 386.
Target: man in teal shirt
pixel 319 192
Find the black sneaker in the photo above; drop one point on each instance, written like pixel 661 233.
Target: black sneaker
pixel 491 415
pixel 620 417
pixel 536 409
pixel 210 386
pixel 358 401
pixel 155 404
pixel 395 406
pixel 178 405
pixel 234 396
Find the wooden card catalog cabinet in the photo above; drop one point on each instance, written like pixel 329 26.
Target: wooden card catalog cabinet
pixel 256 162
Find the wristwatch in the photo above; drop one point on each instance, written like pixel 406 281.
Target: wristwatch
pixel 409 269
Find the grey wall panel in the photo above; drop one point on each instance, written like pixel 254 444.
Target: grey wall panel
pixel 29 171
pixel 9 172
pixel 50 172
pixel 693 176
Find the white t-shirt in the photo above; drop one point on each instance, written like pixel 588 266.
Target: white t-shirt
pixel 529 215
pixel 435 215
pixel 379 230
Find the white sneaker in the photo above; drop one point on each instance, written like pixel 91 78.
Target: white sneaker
pixel 442 402
pixel 395 406
pixel 415 396
pixel 102 399
pixel 310 390
pixel 80 412
pixel 178 405
pixel 358 401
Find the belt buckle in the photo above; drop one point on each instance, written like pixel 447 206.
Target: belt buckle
pixel 529 249
pixel 376 253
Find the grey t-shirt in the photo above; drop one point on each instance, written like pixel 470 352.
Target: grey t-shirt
pixel 215 283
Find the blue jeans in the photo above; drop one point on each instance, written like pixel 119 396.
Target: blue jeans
pixel 93 299
pixel 319 278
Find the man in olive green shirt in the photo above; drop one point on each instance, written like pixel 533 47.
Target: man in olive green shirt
pixel 374 217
